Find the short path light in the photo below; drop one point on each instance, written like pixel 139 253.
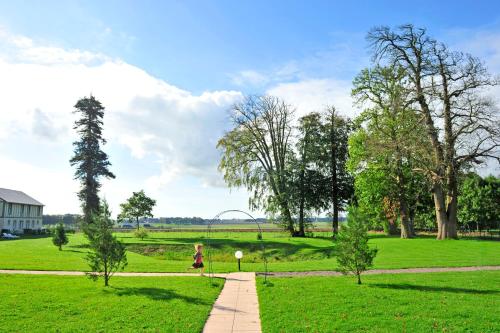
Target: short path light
pixel 238 255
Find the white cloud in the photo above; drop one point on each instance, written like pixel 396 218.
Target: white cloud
pixel 315 94
pixel 249 77
pixel 156 121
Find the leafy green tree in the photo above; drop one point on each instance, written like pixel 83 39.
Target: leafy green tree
pixel 90 161
pixel 137 206
pixel 107 254
pixel 354 255
pixel 479 203
pixel 447 89
pixel 141 233
pixel 308 184
pixel 393 139
pixel 59 238
pixel 336 131
pixel 256 154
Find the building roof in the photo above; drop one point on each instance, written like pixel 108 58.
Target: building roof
pixel 12 196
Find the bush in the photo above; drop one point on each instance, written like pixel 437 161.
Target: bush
pixel 141 233
pixel 59 237
pixel 354 254
pixel 107 254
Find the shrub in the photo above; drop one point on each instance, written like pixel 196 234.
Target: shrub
pixel 141 233
pixel 107 254
pixel 354 254
pixel 59 237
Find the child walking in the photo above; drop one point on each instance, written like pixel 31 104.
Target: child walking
pixel 198 259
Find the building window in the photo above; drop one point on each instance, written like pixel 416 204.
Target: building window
pixel 15 224
pixel 39 210
pixel 22 210
pixel 21 224
pixel 8 222
pixel 29 211
pixel 10 209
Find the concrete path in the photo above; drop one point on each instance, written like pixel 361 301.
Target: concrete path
pixel 273 274
pixel 237 308
pixel 77 273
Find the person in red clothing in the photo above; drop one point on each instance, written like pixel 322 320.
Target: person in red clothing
pixel 198 259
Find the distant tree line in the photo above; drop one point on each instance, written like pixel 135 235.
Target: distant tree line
pixel 66 219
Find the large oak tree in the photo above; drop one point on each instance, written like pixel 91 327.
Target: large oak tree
pixel 257 151
pixel 448 89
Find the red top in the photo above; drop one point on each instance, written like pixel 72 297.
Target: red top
pixel 198 258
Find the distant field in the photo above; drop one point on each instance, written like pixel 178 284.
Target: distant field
pixel 76 304
pixel 434 302
pixel 236 226
pixel 172 252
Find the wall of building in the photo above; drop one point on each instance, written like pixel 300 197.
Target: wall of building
pixel 17 217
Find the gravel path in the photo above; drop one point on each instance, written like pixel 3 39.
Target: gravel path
pixel 78 273
pixel 388 271
pixel 273 274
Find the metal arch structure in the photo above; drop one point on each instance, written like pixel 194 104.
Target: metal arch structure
pixel 208 244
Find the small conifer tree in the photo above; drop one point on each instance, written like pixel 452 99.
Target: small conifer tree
pixel 59 237
pixel 107 254
pixel 354 254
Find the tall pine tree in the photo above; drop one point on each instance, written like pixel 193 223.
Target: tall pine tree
pixel 90 161
pixel 336 134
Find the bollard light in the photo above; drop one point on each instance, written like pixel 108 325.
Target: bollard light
pixel 238 255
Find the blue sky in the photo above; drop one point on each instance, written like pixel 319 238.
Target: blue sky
pixel 196 45
pixel 185 62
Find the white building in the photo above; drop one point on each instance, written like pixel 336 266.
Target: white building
pixel 19 211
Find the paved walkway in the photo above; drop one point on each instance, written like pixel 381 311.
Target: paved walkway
pixel 272 274
pixel 78 273
pixel 237 308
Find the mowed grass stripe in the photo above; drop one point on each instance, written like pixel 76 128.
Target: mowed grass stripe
pixel 132 304
pixel 172 252
pixel 431 302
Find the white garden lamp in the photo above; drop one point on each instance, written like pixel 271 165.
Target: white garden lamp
pixel 238 255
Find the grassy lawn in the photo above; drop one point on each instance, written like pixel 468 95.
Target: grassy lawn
pixel 76 304
pixel 433 302
pixel 172 252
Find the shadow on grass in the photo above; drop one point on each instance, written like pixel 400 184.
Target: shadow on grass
pixel 79 246
pixel 157 294
pixel 405 286
pixel 74 251
pixel 223 249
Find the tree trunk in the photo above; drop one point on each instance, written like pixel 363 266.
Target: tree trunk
pixel 359 278
pixel 392 229
pixel 60 247
pixel 106 274
pixel 285 211
pixel 302 232
pixel 406 231
pixel 335 220
pixel 412 223
pixel 446 219
pixel 333 171
pixel 137 223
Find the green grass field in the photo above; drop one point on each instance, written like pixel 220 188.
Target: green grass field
pixel 172 252
pixel 433 302
pixel 76 304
